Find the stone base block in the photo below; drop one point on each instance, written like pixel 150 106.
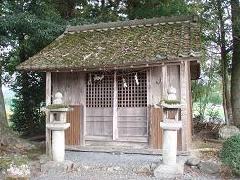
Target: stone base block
pixel 57 167
pixel 164 171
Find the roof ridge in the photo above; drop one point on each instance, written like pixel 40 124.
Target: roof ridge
pixel 131 23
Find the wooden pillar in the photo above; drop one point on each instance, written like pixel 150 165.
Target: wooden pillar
pixel 164 81
pixel 186 101
pixel 149 101
pixel 82 123
pixel 83 81
pixel 188 105
pixel 115 106
pixel 48 102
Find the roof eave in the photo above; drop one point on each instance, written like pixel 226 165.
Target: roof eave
pixel 135 22
pixel 176 60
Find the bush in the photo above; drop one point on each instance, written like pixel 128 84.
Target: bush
pixel 27 117
pixel 230 153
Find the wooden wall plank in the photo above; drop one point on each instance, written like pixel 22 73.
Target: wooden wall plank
pixel 156 132
pixel 132 122
pixel 72 134
pixel 155 91
pixel 99 121
pixel 132 111
pixel 72 85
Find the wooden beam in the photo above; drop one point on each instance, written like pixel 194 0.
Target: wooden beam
pixel 83 124
pixel 188 105
pixel 83 81
pixel 183 87
pixel 48 88
pixel 164 82
pixel 48 102
pixel 115 106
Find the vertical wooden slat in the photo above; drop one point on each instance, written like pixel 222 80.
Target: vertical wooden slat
pixel 156 132
pixel 115 106
pixel 48 101
pixel 72 134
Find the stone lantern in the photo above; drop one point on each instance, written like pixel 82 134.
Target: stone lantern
pixel 57 125
pixel 170 125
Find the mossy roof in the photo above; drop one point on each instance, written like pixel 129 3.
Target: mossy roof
pixel 120 44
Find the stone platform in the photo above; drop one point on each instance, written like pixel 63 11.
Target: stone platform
pixel 114 162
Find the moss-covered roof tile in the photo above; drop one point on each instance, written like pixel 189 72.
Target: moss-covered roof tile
pixel 119 43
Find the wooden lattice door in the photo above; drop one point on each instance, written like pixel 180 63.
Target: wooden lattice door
pixel 132 107
pixel 99 106
pixel 116 106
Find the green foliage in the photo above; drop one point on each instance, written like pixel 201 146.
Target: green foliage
pixel 6 161
pixel 27 117
pixel 207 90
pixel 230 154
pixel 27 27
pixel 155 8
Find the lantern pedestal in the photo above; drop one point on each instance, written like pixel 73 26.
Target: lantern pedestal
pixel 57 125
pixel 170 141
pixel 58 140
pixel 170 169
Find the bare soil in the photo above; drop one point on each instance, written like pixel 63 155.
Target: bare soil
pixel 205 146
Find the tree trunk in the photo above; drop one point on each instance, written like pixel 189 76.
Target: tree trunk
pixel 3 116
pixel 224 66
pixel 235 80
pixel 227 99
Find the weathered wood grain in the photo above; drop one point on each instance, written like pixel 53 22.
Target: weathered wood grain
pixel 72 134
pixel 174 78
pixel 156 133
pixel 72 85
pixel 48 102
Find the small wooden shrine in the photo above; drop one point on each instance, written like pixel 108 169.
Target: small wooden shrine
pixel 115 75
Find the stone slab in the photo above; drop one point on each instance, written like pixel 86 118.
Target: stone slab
pixel 193 161
pixel 209 167
pixel 57 167
pixel 164 171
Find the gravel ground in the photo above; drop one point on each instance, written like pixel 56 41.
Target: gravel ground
pixel 92 175
pixel 111 166
pixel 115 159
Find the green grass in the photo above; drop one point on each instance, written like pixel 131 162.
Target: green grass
pixel 211 111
